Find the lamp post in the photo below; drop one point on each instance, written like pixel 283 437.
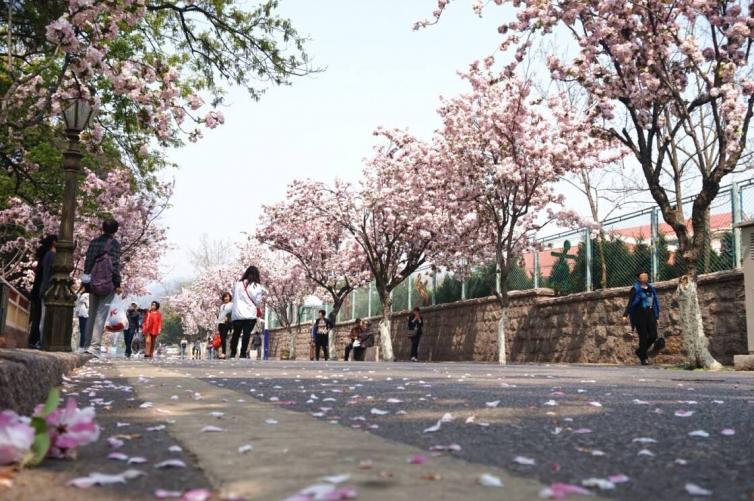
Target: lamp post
pixel 59 298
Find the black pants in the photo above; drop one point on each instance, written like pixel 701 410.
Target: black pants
pixel 646 326
pixel 245 327
pixel 128 337
pixel 35 318
pixel 358 353
pixel 349 347
pixel 321 341
pixel 82 332
pixel 224 329
pixel 415 345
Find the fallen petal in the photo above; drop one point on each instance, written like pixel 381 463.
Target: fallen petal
pixel 695 490
pixel 683 413
pixel 245 448
pixel 603 484
pixel 164 494
pixel 524 460
pixel 699 433
pixel 211 429
pixel 488 480
pixel 171 463
pixel 336 479
pixel 494 403
pixel 117 456
pixel 417 459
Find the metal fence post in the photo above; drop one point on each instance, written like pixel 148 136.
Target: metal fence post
pixel 588 255
pixel 536 268
pixel 369 300
pixel 735 198
pixel 410 286
pixel 654 241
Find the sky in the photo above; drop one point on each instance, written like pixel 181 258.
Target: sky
pixel 377 72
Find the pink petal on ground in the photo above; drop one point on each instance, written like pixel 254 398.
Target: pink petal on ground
pixel 211 429
pixel 115 443
pixel 197 495
pixel 618 479
pixel 559 490
pixel 417 459
pixel 164 494
pixel 684 413
pixel 341 493
pixel 117 456
pixel 728 432
pixel 137 460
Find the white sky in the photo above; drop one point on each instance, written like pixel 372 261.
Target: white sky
pixel 378 72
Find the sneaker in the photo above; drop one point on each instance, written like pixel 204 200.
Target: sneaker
pixel 414 359
pixel 644 362
pixel 92 352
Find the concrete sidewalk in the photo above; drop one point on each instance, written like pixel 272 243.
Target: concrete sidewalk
pixel 26 376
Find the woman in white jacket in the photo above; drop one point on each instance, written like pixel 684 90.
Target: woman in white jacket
pixel 248 303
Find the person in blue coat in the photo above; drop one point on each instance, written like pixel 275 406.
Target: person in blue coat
pixel 643 310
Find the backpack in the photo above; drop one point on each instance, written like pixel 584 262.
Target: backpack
pixel 102 272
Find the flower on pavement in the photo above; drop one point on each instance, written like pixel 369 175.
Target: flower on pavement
pixel 70 428
pixel 16 437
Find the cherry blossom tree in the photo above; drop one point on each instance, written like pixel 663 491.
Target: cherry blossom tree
pixel 396 215
pixel 672 82
pixel 142 238
pixel 502 156
pixel 326 252
pixel 198 301
pixel 143 62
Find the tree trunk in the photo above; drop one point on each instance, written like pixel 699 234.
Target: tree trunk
pixel 501 355
pixel 292 335
pixel 692 328
pixel 331 340
pixel 603 263
pixel 386 341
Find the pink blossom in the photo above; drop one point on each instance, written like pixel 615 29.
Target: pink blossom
pixel 70 428
pixel 16 437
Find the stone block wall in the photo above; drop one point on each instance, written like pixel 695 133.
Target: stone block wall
pixel 582 328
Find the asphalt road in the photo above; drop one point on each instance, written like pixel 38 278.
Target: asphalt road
pixel 667 431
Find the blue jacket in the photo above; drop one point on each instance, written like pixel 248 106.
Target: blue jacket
pixel 634 299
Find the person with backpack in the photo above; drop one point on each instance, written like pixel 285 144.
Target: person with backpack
pixel 320 333
pixel 152 328
pixel 642 311
pixel 416 325
pixel 248 302
pixel 224 321
pixel 101 280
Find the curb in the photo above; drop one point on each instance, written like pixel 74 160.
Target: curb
pixel 26 376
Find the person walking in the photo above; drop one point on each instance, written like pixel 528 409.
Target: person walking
pixel 224 321
pixel 184 347
pixel 132 314
pixel 44 256
pixel 152 328
pixel 416 325
pixel 101 280
pixel 82 313
pixel 320 333
pixel 643 310
pixel 248 301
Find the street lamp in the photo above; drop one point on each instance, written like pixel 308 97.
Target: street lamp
pixel 59 298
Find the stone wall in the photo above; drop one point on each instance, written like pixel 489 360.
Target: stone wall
pixel 584 328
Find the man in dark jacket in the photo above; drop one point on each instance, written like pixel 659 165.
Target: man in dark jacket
pixel 321 334
pixel 133 327
pixel 415 324
pixel 643 310
pixel 99 304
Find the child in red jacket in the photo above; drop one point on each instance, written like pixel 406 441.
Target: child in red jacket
pixel 152 328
